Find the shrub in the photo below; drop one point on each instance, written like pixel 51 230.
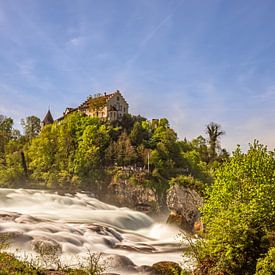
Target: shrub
pixel 266 265
pixel 188 181
pixel 238 213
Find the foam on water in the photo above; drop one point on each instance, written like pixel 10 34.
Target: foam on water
pixel 80 223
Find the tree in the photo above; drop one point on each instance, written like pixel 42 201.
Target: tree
pixel 31 126
pixel 91 150
pixel 125 152
pixel 137 134
pixel 239 213
pixel 214 132
pixel 41 154
pixel 6 124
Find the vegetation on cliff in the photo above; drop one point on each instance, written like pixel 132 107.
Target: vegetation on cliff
pixel 81 152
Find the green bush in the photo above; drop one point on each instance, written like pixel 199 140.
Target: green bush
pixel 266 265
pixel 10 265
pixel 238 213
pixel 187 181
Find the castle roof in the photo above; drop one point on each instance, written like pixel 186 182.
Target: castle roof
pixel 97 102
pixel 48 119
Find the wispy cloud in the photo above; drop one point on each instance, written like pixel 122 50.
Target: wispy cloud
pixel 147 39
pixel 193 63
pixel 78 41
pixel 267 94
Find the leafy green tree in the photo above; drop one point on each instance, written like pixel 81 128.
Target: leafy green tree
pixel 31 126
pixel 214 132
pixel 125 152
pixel 188 181
pixel 196 167
pixel 13 172
pixel 137 134
pixel 91 149
pixel 6 124
pixel 41 154
pixel 239 213
pixel 200 145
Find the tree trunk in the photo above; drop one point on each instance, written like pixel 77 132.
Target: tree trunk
pixel 24 164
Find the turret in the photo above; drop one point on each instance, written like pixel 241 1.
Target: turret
pixel 48 119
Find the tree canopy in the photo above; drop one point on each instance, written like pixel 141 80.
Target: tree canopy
pixel 78 151
pixel 239 213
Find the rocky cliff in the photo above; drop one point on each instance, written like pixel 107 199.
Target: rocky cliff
pixel 184 204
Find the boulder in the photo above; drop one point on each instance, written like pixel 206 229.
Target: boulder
pixel 47 247
pixel 184 205
pixel 166 268
pixel 117 263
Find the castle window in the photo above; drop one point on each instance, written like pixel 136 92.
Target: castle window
pixel 124 110
pixel 118 98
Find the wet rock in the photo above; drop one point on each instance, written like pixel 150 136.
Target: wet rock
pixel 166 268
pixel 146 269
pixel 183 204
pixel 138 248
pixel 47 246
pixel 115 234
pixel 179 220
pixel 109 242
pixel 53 272
pixel 27 219
pixel 99 229
pixel 118 263
pixel 8 216
pixel 198 226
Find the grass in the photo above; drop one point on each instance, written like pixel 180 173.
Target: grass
pixel 10 265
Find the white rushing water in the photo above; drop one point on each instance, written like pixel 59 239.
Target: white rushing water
pixel 81 223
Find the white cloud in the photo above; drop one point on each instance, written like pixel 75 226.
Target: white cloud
pixel 79 41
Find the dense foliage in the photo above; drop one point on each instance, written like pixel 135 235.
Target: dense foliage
pixel 84 152
pixel 239 214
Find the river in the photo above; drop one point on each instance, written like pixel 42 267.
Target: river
pixel 80 223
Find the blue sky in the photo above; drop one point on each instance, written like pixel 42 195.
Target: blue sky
pixel 190 61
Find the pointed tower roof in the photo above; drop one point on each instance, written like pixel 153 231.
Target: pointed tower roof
pixel 48 119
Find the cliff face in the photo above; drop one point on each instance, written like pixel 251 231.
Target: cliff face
pixel 184 205
pixel 138 197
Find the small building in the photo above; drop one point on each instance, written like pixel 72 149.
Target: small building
pixel 107 106
pixel 110 106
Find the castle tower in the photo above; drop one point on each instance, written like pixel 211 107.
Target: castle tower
pixel 48 119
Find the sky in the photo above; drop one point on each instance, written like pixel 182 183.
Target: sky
pixel 190 61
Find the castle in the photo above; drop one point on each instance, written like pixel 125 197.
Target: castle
pixel 110 106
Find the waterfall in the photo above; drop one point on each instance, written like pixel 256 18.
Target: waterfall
pixel 80 223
